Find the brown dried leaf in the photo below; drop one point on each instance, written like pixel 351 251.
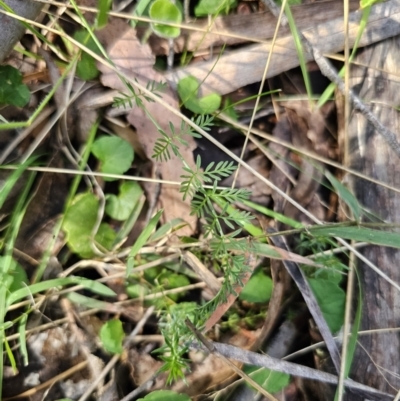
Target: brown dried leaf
pixel 137 61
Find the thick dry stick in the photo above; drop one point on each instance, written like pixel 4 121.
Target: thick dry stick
pixel 277 365
pixel 12 30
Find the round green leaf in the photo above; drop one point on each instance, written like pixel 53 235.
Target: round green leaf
pixel 165 395
pixel 165 11
pixel 111 335
pixel 331 299
pixel 209 104
pixel 120 207
pixel 258 288
pixel 116 155
pixel 78 224
pixel 188 89
pixel 12 90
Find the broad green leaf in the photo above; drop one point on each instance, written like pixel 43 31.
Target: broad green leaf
pixel 78 224
pixel 165 11
pixel 165 395
pixel 86 68
pixel 12 90
pixel 141 241
pixel 345 195
pixel 209 104
pixel 116 154
pixel 268 379
pixel 359 233
pixel 331 299
pixel 120 207
pixel 188 89
pixel 112 335
pixel 258 288
pixel 212 7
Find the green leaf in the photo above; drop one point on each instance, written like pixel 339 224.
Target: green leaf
pixel 20 279
pixel 165 11
pixel 268 379
pixel 102 17
pixel 88 302
pixel 12 90
pixel 57 282
pixel 213 7
pixel 95 286
pixel 136 290
pixel 166 228
pixel 188 89
pixel 359 233
pixel 331 299
pixel 141 241
pixel 116 154
pixel 86 68
pixel 120 207
pixel 345 195
pixel 78 224
pixel 8 184
pixel 171 280
pixel 368 3
pixel 16 277
pixel 165 395
pixel 229 109
pixel 258 288
pixel 112 335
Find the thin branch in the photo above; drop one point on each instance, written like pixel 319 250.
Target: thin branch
pixel 278 365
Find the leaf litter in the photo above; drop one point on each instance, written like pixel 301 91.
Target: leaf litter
pixel 76 345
